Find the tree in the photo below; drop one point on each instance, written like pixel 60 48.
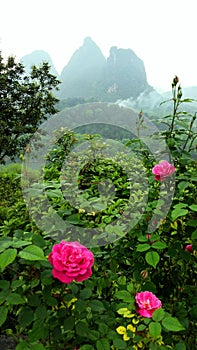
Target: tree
pixel 25 101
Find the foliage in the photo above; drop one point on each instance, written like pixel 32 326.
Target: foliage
pixel 25 100
pixel 100 313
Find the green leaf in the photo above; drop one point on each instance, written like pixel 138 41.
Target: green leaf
pixel 7 257
pixel 96 305
pixel 159 245
pixel 15 299
pixel 193 207
pixel 152 258
pixel 26 317
pixel 69 323
pixel 158 315
pixel 82 328
pixel 154 329
pixel 180 346
pixel 143 247
pixel 23 345
pixel 194 234
pixel 33 253
pixel 37 346
pixel 86 347
pixel 124 295
pixel 5 243
pixel 119 343
pixel 178 212
pixel 3 314
pixel 172 324
pixel 102 344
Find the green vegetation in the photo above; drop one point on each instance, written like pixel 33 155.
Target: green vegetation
pixel 25 101
pixel 39 311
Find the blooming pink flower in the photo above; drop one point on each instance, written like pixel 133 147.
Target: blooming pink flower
pixel 71 261
pixel 147 303
pixel 163 170
pixel 189 248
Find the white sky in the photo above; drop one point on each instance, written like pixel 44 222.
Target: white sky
pixel 162 33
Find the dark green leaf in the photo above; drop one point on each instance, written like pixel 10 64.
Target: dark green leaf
pixel 3 314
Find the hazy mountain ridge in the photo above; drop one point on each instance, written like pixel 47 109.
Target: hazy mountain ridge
pixel 119 78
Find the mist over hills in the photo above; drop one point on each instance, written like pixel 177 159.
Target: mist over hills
pixel 121 77
pixel 89 74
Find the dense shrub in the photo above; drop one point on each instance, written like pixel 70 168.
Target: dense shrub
pixel 103 312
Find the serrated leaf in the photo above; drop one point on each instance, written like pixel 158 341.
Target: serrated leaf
pixel 152 258
pixel 172 324
pixel 3 314
pixel 32 253
pixel 7 257
pixel 154 329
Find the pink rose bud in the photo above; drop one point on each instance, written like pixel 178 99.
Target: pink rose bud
pixel 147 303
pixel 144 274
pixel 148 236
pixel 71 261
pixel 163 170
pixel 189 248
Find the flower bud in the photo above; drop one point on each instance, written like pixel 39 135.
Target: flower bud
pixel 175 81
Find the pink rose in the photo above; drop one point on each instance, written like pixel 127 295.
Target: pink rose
pixel 71 261
pixel 147 303
pixel 189 248
pixel 163 170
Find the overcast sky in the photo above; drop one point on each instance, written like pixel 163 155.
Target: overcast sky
pixel 162 33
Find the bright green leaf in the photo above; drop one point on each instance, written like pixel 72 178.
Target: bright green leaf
pixel 152 258
pixel 193 207
pixel 159 245
pixel 33 253
pixel 124 295
pixel 172 324
pixel 154 329
pixel 143 247
pixel 177 213
pixel 7 257
pixel 158 315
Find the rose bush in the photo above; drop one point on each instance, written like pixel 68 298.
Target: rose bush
pixel 71 261
pixel 112 308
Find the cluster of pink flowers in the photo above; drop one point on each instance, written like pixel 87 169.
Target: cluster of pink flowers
pixel 71 261
pixel 147 303
pixel 163 170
